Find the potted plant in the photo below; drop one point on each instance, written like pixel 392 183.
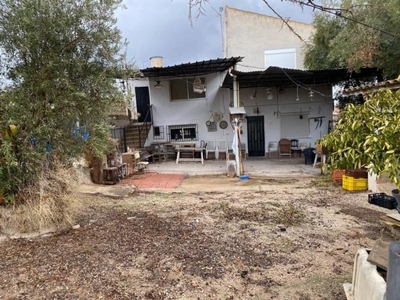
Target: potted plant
pixel 367 136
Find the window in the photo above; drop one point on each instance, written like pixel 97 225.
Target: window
pixel 284 58
pixel 182 89
pixel 158 132
pixel 182 133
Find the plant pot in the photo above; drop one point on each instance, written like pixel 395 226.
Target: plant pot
pixel 396 195
pixel 337 175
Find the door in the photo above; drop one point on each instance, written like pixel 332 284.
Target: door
pixel 143 103
pixel 255 136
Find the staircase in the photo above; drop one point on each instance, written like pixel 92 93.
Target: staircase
pixel 136 134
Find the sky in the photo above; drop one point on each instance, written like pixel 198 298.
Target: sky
pixel 162 28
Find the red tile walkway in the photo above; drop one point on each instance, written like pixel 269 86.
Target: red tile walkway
pixel 155 180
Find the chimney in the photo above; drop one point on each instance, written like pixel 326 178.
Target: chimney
pixel 156 61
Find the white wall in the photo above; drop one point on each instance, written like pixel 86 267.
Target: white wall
pixel 249 34
pixel 167 112
pixel 286 103
pixel 199 111
pixel 136 83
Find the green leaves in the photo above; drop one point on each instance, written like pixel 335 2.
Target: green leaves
pixel 365 34
pixel 61 58
pixel 367 136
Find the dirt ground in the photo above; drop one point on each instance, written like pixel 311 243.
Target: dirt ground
pixel 213 238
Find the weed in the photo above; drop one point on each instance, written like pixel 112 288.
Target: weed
pixel 290 215
pixel 260 214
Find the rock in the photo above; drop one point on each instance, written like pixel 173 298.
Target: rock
pixel 281 227
pixel 77 226
pixel 3 238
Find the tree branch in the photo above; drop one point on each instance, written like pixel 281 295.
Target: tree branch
pixel 285 21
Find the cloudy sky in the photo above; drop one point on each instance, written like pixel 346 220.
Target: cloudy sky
pixel 162 28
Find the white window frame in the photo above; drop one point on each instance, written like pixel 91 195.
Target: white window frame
pixel 280 51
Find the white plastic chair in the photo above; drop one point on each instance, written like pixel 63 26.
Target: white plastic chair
pixel 211 147
pixel 221 148
pixel 272 147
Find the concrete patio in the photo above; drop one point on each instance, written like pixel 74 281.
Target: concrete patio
pixel 252 166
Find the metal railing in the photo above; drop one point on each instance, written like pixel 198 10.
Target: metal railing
pixel 146 125
pixel 120 135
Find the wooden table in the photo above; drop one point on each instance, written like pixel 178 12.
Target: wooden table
pixel 180 150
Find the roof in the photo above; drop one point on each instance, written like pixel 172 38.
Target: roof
pixel 198 68
pixel 276 76
pixel 372 87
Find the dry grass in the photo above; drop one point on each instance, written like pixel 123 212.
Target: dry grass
pixel 50 204
pixel 290 215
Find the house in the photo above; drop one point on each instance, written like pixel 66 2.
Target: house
pixel 185 102
pixel 190 102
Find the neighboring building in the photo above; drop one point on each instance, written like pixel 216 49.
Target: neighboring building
pixel 264 41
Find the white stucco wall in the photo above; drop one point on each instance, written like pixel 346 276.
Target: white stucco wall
pixel 167 112
pixel 249 34
pixel 286 103
pixel 199 111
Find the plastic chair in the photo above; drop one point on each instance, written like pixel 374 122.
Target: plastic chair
pixel 272 147
pixel 221 148
pixel 211 147
pixel 285 148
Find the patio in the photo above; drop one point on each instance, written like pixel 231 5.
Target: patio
pixel 252 166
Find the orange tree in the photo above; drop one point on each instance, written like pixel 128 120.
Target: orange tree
pixel 367 136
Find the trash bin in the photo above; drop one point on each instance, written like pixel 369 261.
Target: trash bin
pixel 309 156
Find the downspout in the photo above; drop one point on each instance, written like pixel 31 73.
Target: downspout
pixel 235 89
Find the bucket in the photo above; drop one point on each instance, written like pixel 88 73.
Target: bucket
pixel 309 156
pixel 396 195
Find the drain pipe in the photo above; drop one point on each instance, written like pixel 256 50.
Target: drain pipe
pixel 236 124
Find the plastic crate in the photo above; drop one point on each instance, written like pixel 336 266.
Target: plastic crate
pixel 354 184
pixel 383 200
pixel 337 175
pixel 357 173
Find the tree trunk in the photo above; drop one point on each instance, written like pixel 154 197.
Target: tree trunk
pixel 97 170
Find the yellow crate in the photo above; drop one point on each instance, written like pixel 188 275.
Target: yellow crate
pixel 354 184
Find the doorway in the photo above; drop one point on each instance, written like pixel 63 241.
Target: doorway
pixel 143 103
pixel 255 136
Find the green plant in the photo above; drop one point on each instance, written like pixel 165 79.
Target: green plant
pixel 367 136
pixel 60 61
pixel 290 215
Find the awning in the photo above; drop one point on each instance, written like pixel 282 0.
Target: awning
pixel 198 68
pixel 283 77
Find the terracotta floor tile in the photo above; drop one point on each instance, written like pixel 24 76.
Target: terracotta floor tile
pixel 155 180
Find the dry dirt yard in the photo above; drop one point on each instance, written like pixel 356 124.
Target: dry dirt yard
pixel 212 238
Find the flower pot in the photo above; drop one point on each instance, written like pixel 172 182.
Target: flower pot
pixel 396 195
pixel 337 175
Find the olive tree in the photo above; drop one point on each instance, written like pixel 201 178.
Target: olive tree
pixel 59 61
